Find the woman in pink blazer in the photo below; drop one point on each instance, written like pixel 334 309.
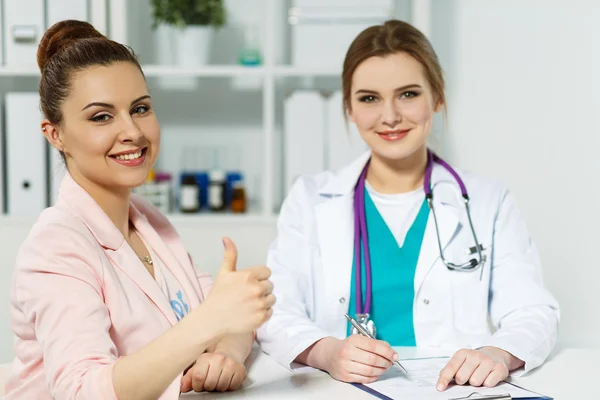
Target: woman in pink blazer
pixel 105 301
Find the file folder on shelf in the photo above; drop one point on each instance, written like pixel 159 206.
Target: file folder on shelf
pixel 25 149
pixel 303 135
pixel 56 173
pixel 23 28
pixel 343 143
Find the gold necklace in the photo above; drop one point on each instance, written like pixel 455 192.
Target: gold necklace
pixel 148 260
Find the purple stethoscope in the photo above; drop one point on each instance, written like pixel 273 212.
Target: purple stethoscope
pixel 360 231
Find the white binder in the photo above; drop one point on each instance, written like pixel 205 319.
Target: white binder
pixel 343 143
pixel 56 173
pixel 2 165
pixel 58 10
pixel 23 29
pixel 303 135
pixel 1 36
pixel 97 15
pixel 26 151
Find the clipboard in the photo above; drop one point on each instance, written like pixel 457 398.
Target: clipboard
pixel 473 396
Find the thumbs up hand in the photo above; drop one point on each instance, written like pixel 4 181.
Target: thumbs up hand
pixel 240 301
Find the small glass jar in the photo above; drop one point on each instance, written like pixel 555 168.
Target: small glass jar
pixel 189 201
pixel 238 197
pixel 216 191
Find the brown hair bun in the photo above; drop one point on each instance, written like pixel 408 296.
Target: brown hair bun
pixel 62 35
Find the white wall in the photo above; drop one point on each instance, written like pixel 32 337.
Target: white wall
pixel 524 107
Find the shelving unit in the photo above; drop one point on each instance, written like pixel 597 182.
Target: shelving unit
pixel 273 76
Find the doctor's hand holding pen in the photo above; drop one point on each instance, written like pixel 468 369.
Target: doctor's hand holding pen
pixel 356 359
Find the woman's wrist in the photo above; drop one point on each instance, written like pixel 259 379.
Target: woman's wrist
pixel 211 332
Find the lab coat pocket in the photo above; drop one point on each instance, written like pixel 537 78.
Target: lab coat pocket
pixel 470 306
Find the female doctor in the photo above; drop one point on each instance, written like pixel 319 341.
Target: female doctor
pixel 418 253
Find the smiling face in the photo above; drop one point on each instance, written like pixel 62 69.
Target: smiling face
pixel 392 105
pixel 109 133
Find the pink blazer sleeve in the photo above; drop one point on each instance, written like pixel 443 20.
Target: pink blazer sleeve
pixel 60 291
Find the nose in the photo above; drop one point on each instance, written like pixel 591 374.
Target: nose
pixel 130 131
pixel 390 114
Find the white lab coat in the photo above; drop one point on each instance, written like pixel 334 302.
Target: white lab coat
pixel 311 262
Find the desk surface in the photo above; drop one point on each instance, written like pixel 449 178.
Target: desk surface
pixel 568 374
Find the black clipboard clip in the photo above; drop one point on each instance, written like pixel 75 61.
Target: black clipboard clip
pixel 479 396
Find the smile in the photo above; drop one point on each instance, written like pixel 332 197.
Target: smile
pixel 130 156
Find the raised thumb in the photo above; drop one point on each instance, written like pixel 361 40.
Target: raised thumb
pixel 229 257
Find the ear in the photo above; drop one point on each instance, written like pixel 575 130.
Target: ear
pixel 350 113
pixel 52 134
pixel 438 107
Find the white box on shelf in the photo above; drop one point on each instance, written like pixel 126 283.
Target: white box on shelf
pixel 25 151
pixel 304 116
pixel 23 29
pixel 58 10
pixel 322 31
pixel 343 142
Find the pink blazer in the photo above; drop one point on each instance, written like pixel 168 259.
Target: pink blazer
pixel 81 298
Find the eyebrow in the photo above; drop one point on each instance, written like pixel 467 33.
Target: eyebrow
pixel 108 105
pixel 400 89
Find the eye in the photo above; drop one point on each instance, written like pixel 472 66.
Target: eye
pixel 368 99
pixel 141 109
pixel 100 118
pixel 409 95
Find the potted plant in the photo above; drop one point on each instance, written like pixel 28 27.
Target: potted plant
pixel 194 23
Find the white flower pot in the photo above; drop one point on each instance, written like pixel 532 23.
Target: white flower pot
pixel 165 45
pixel 193 45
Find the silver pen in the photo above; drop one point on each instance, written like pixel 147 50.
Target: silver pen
pixel 366 333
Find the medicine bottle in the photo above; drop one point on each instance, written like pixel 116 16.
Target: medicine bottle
pixel 216 190
pixel 189 201
pixel 238 197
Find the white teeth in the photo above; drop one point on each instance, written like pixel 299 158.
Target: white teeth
pixel 129 156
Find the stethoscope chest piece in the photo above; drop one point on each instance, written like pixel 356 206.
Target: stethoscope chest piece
pixel 365 322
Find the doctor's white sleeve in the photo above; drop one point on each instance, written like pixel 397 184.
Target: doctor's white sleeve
pixel 290 329
pixel 524 312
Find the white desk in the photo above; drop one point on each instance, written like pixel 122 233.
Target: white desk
pixel 569 374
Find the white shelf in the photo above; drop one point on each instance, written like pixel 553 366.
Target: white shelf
pixel 265 77
pixel 291 71
pixel 19 70
pixel 207 71
pixel 157 71
pixel 222 218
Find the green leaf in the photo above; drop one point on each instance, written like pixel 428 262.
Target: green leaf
pixel 182 13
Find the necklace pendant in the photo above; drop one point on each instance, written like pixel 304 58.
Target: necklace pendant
pixel 148 260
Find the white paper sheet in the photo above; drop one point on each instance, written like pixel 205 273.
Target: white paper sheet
pixel 421 380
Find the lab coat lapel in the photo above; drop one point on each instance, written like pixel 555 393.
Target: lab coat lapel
pixel 335 227
pixel 335 230
pixel 446 209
